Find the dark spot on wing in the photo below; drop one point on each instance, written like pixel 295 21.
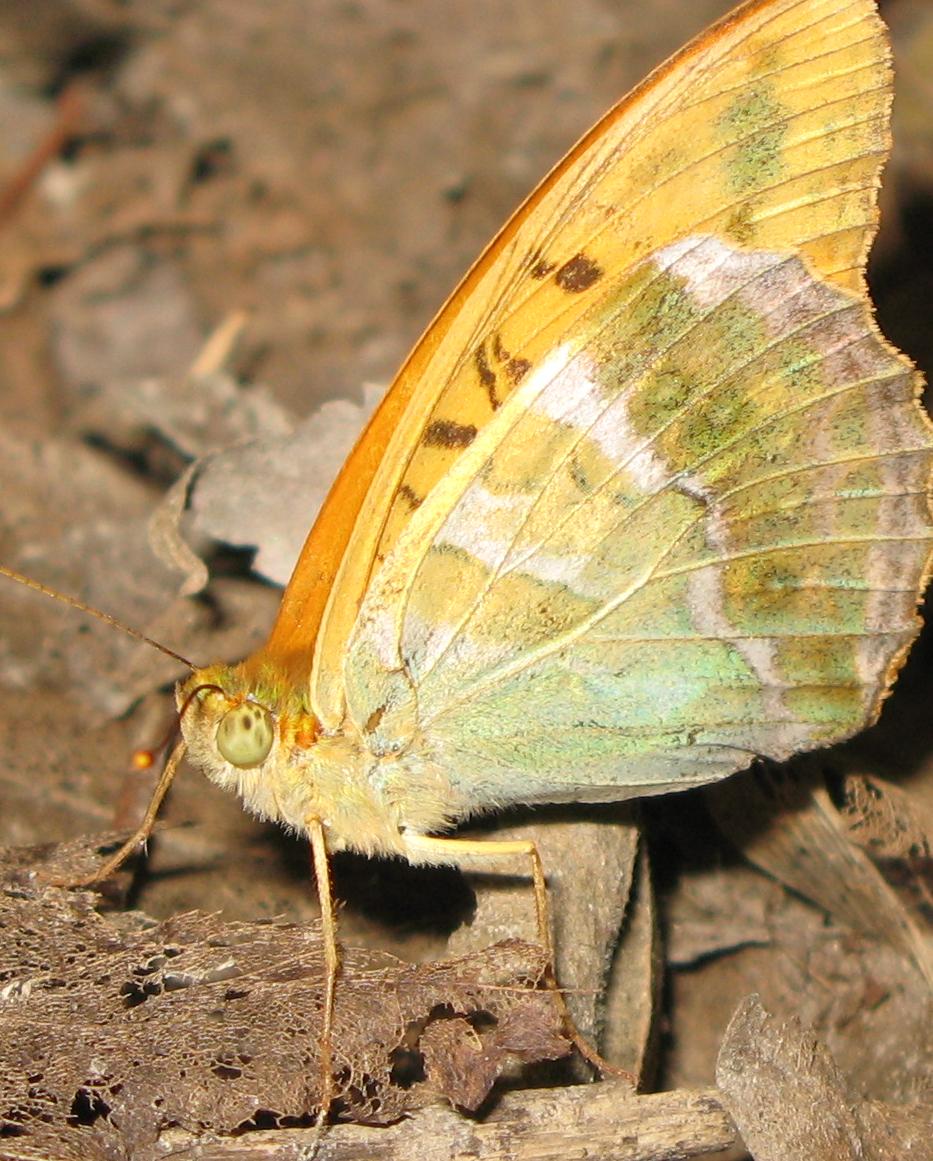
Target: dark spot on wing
pixel 517 369
pixel 487 376
pixel 579 476
pixel 579 273
pixel 408 493
pixel 539 267
pixel 446 433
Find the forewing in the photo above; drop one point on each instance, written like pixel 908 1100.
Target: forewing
pixel 767 132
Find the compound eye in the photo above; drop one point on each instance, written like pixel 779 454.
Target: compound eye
pixel 244 736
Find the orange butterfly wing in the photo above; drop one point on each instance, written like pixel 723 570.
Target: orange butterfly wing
pixel 769 130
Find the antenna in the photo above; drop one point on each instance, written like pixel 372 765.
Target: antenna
pixel 74 603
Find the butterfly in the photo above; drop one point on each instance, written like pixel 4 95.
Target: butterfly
pixel 649 499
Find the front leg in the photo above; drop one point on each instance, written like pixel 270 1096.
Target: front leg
pixel 325 892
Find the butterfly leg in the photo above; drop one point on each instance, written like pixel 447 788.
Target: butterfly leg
pixel 460 851
pixel 142 832
pixel 325 891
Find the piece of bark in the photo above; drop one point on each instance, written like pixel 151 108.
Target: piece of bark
pixel 600 1120
pixel 632 992
pixel 791 1102
pixel 784 1090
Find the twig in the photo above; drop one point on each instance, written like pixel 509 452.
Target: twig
pixel 72 102
pixel 599 1120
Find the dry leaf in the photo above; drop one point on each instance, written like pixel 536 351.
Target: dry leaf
pixel 204 1024
pixel 264 494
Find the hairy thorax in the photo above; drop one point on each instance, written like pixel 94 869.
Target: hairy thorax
pixel 367 802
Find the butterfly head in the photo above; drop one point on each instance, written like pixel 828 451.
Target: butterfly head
pixel 240 731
